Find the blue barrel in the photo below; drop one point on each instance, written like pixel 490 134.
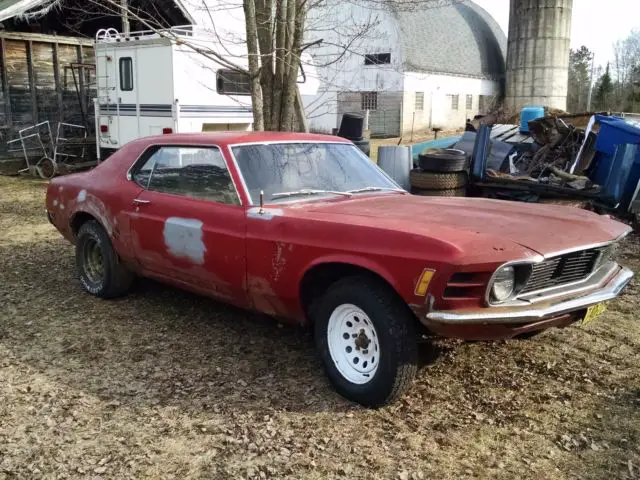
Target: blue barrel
pixel 528 113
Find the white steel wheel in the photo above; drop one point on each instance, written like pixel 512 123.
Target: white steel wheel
pixel 354 344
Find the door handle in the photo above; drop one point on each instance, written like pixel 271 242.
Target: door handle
pixel 138 201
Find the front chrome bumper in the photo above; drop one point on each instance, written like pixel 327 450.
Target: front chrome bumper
pixel 527 312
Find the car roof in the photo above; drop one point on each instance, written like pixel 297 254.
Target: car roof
pixel 232 138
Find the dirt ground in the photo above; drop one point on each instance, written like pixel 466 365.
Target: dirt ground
pixel 165 384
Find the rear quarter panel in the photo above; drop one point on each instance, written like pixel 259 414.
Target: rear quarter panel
pixel 104 193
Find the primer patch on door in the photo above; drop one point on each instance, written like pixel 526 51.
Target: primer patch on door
pixel 184 239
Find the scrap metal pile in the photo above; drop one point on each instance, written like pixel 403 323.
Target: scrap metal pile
pixel 554 158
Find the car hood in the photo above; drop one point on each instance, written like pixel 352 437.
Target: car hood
pixel 545 229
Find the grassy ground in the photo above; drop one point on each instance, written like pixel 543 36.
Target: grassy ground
pixel 165 384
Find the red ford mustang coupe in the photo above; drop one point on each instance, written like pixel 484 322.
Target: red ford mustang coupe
pixel 307 229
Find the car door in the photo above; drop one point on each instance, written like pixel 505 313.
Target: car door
pixel 189 226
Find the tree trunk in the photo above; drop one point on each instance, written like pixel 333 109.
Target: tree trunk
pixel 293 66
pixel 264 16
pixel 254 64
pixel 278 83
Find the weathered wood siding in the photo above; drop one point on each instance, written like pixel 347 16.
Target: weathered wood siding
pixel 37 82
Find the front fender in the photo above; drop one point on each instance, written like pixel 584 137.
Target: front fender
pixel 354 260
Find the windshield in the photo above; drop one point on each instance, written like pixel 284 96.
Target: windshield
pixel 294 171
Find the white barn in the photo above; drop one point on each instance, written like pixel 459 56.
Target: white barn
pixel 416 70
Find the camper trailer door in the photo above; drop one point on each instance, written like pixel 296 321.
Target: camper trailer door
pixel 126 86
pixel 106 76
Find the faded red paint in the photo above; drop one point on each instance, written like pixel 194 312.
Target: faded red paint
pixel 258 261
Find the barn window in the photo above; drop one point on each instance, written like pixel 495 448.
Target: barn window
pixel 230 82
pixel 455 102
pixel 369 100
pixel 419 104
pixel 469 102
pixel 126 74
pixel 377 59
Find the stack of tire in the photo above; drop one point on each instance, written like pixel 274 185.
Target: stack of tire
pixel 441 172
pixel 352 128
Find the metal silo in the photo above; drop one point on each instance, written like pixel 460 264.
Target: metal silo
pixel 538 53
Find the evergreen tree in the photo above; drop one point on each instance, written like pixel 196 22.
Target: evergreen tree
pixel 604 90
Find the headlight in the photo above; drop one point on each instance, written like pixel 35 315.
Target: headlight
pixel 504 284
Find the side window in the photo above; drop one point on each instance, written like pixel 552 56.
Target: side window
pixel 229 82
pixel 196 172
pixel 126 74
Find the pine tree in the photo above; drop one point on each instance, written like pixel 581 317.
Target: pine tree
pixel 605 88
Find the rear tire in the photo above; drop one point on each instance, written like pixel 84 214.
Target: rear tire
pixel 99 268
pixel 367 342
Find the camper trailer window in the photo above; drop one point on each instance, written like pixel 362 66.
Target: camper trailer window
pixel 229 82
pixel 196 172
pixel 126 74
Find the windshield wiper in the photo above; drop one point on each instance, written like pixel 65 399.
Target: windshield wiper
pixel 309 192
pixel 377 189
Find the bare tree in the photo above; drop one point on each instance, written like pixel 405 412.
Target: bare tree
pixel 625 68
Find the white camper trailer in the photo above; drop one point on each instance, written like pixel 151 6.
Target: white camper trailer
pixel 150 83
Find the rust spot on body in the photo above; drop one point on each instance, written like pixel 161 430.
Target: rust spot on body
pixel 279 261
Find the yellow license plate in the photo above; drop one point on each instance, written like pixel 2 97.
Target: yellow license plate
pixel 592 312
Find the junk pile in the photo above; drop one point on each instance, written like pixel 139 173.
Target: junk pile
pixel 589 159
pixel 548 160
pixel 600 163
pixel 48 152
pixel 441 172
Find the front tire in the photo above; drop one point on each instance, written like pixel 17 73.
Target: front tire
pixel 366 339
pixel 99 268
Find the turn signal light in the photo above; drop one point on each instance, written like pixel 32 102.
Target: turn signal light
pixel 423 282
pixel 166 131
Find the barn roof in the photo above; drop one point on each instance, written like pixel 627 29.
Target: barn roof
pixel 458 39
pixel 38 8
pixel 13 8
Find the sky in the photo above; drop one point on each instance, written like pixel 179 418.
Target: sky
pixel 596 24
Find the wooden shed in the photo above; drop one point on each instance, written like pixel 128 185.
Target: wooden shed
pixel 44 77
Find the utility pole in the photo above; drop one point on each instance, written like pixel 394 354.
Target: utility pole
pixel 593 56
pixel 125 17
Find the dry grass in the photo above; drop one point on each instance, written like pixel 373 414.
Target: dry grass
pixel 165 384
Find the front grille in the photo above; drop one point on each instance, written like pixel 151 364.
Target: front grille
pixel 568 268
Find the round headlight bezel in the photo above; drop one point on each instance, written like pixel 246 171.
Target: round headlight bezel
pixel 503 284
pixel 519 275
